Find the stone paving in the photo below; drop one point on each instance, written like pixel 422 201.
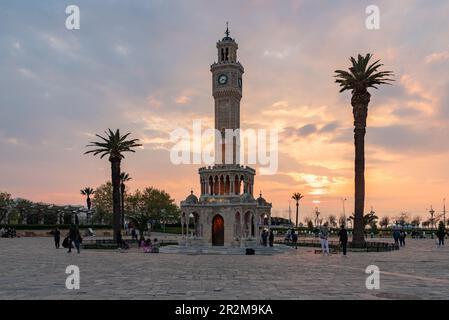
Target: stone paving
pixel 31 268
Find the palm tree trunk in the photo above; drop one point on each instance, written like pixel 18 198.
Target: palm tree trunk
pixel 122 190
pixel 115 175
pixel 297 213
pixel 360 101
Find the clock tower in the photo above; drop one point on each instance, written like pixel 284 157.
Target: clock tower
pixel 227 91
pixel 226 212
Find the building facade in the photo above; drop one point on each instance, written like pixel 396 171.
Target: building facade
pixel 226 213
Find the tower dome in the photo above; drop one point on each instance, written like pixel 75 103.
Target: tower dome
pixel 191 198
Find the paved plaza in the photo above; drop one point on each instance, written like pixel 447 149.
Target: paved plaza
pixel 31 268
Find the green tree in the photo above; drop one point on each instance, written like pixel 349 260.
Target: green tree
pixel 332 220
pixel 369 219
pixel 5 206
pixel 114 145
pixel 310 225
pixel 416 221
pixel 384 222
pixel 361 76
pixel 342 220
pixel 151 204
pixel 103 204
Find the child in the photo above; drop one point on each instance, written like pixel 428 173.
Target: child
pixel 147 247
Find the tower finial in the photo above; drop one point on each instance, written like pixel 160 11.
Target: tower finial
pixel 227 29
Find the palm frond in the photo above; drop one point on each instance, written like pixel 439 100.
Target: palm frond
pixel 112 144
pixel 362 75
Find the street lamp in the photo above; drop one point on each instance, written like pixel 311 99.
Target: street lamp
pixel 343 202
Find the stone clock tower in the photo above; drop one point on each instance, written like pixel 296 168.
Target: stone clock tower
pixel 227 91
pixel 226 213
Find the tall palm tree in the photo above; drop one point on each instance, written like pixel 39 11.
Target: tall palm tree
pixel 88 191
pixel 361 76
pixel 297 196
pixel 124 177
pixel 114 145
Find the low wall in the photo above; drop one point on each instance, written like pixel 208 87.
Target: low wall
pixel 64 232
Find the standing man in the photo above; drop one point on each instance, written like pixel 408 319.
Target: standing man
pixel 294 239
pixel 324 235
pixel 441 233
pixel 271 238
pixel 57 237
pixel 343 237
pixel 396 236
pixel 402 236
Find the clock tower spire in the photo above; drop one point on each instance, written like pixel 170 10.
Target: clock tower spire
pixel 227 92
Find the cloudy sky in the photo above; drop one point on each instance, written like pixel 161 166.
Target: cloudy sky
pixel 143 67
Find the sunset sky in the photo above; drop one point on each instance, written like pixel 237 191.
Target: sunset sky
pixel 144 67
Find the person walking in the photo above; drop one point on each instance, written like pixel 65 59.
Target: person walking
pixel 396 236
pixel 294 239
pixel 264 238
pixel 343 237
pixel 271 238
pixel 71 237
pixel 441 233
pixel 78 240
pixel 57 237
pixel 133 234
pixel 402 236
pixel 74 238
pixel 324 235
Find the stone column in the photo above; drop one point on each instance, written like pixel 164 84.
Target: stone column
pixel 231 185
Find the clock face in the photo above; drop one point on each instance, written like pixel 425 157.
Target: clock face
pixel 222 79
pixel 240 83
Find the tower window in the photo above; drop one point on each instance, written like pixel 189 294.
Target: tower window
pixel 222 55
pixel 227 54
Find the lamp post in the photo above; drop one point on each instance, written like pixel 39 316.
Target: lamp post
pixel 444 211
pixel 343 202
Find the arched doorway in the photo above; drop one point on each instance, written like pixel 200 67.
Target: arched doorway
pixel 218 231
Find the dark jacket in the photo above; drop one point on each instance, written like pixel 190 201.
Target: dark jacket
pixel 74 234
pixel 343 235
pixel 441 233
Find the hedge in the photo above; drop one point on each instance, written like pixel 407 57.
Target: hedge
pixel 52 226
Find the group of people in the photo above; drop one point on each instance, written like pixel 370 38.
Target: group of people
pixel 324 239
pixel 399 237
pixel 8 232
pixel 73 238
pixel 148 246
pixel 267 237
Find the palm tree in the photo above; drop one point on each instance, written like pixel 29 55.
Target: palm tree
pixel 297 196
pixel 88 191
pixel 124 177
pixel 360 77
pixel 114 145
